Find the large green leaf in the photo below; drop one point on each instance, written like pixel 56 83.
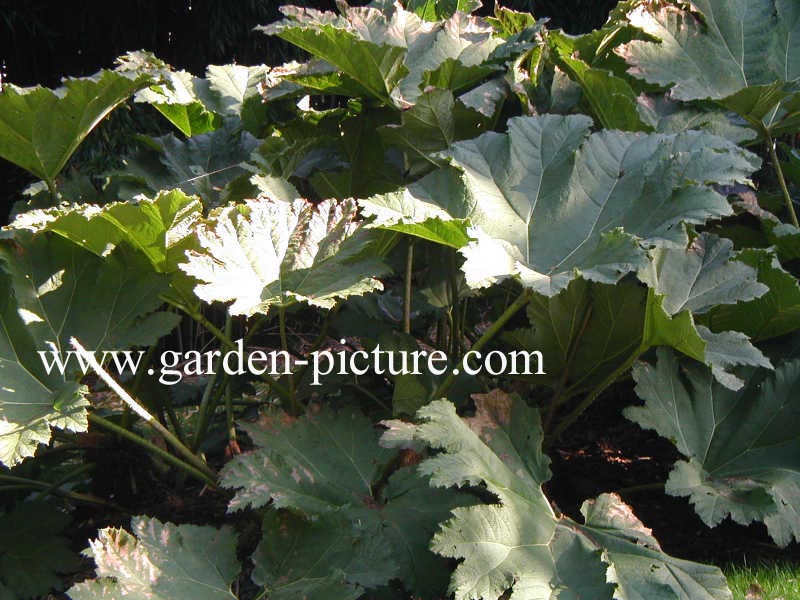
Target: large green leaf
pixel 672 116
pixel 549 202
pixel 742 447
pixel 584 333
pixel 354 530
pixel 434 208
pixel 313 465
pixel 41 128
pixel 329 558
pixel 433 124
pixel 190 119
pixel 201 165
pixel 64 291
pixel 293 79
pixel 509 22
pixel 32 400
pixel 230 87
pixel 34 550
pixel 726 47
pixel 590 330
pixel 176 97
pixel 693 281
pixel 161 561
pixel 742 53
pixel 344 551
pixel 412 512
pixel 160 228
pixel 637 566
pixel 500 447
pixel 370 57
pixel 773 314
pixel 558 203
pixel 518 543
pixel 611 98
pixel 701 277
pixel 52 289
pixel 390 53
pixel 269 252
pixel 194 105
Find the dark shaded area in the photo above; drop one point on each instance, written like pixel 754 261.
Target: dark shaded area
pixel 42 41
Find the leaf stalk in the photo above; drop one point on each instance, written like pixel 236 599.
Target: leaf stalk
pixel 787 197
pixel 518 304
pixel 168 436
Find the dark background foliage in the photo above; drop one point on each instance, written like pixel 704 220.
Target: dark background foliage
pixel 42 41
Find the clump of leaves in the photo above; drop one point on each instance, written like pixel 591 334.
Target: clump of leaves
pixel 426 179
pixel 270 252
pixel 741 446
pixel 521 543
pixel 161 561
pixel 345 515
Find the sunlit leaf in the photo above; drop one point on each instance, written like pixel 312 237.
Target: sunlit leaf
pixel 269 252
pixel 161 561
pixel 41 128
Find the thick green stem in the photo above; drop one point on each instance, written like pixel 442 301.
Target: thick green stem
pixel 168 436
pixel 172 416
pixel 229 416
pixel 255 327
pixel 216 331
pixel 51 187
pixel 137 382
pixel 320 339
pixel 450 331
pixel 487 336
pixel 462 327
pixel 20 487
pixel 787 198
pixel 560 397
pixel 455 329
pixel 200 318
pixel 228 394
pixel 25 483
pixel 164 402
pixel 225 341
pixel 573 416
pixel 207 403
pixel 408 288
pixel 70 475
pixel 206 475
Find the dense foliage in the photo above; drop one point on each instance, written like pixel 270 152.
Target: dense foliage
pixel 620 201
